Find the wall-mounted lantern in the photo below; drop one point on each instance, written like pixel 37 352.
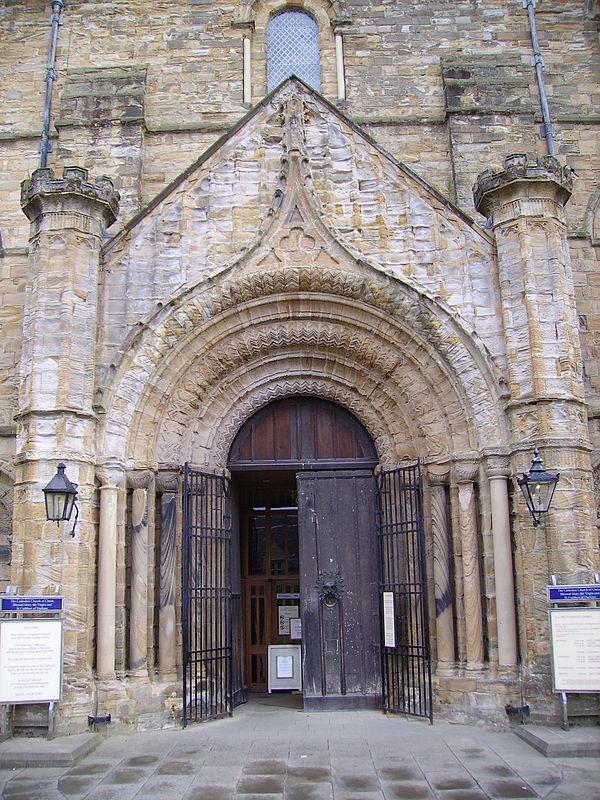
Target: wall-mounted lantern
pixel 538 488
pixel 60 495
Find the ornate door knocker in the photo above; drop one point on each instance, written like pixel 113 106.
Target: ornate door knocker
pixel 330 587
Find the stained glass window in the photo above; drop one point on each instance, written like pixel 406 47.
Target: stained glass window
pixel 293 49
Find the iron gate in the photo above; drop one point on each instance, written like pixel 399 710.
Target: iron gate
pixel 207 596
pixel 406 658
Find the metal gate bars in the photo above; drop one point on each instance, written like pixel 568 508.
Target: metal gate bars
pixel 207 590
pixel 406 658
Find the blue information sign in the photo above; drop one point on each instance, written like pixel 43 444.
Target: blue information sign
pixel 574 593
pixel 31 605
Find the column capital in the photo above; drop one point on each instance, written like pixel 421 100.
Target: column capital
pixel 529 181
pixel 465 471
pixel 438 474
pixel 168 481
pixel 139 479
pixel 497 467
pixel 111 476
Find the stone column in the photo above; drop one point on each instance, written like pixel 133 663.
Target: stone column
pixel 168 484
pixel 111 481
pixel 438 478
pixel 247 70
pixel 56 405
pixel 525 203
pixel 138 611
pixel 339 63
pixel 498 474
pixel 465 475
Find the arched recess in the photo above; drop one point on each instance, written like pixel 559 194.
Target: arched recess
pixel 399 361
pixel 254 20
pixel 247 9
pixel 301 431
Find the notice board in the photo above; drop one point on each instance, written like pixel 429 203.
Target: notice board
pixel 31 660
pixel 575 636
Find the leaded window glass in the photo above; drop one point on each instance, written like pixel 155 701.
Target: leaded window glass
pixel 293 49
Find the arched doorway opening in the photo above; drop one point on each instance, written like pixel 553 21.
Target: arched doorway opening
pixel 303 472
pixel 301 547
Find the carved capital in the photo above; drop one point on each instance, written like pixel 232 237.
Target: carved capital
pixel 140 479
pixel 497 467
pixel 465 471
pixel 167 482
pixel 438 474
pixel 111 476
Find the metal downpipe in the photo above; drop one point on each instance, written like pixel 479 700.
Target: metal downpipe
pixel 538 62
pixel 50 77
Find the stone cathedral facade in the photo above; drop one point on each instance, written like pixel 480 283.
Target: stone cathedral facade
pixel 288 244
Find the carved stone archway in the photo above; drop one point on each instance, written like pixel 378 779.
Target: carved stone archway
pixel 399 362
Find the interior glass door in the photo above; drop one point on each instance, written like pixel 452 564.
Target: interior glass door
pixel 270 575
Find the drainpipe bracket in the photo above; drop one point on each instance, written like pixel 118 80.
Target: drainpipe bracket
pixel 547 130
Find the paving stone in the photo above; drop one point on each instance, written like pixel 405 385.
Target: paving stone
pixel 208 792
pixel 407 790
pixel 125 775
pixel 308 773
pixel 264 767
pixel 508 788
pixel 76 785
pixel 399 773
pixel 260 784
pixel 355 782
pixel 308 791
pixel 445 781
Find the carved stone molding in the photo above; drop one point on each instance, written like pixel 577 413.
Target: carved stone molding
pixel 438 474
pixel 498 467
pixel 168 482
pixel 519 174
pixel 369 326
pixel 43 188
pixel 139 479
pixel 289 388
pixel 111 476
pixel 465 471
pixel 246 10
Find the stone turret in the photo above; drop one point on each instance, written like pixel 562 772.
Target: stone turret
pixel 525 205
pixel 56 421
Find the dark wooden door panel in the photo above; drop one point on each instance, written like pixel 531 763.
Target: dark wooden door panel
pixel 336 512
pixel 301 431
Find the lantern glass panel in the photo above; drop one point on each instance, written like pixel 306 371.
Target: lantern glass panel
pixel 55 505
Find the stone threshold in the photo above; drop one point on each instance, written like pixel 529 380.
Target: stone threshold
pixel 555 742
pixel 63 751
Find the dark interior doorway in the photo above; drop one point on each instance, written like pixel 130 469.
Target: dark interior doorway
pixel 303 514
pixel 284 554
pixel 270 578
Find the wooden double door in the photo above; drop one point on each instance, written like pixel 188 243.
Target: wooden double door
pixel 300 534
